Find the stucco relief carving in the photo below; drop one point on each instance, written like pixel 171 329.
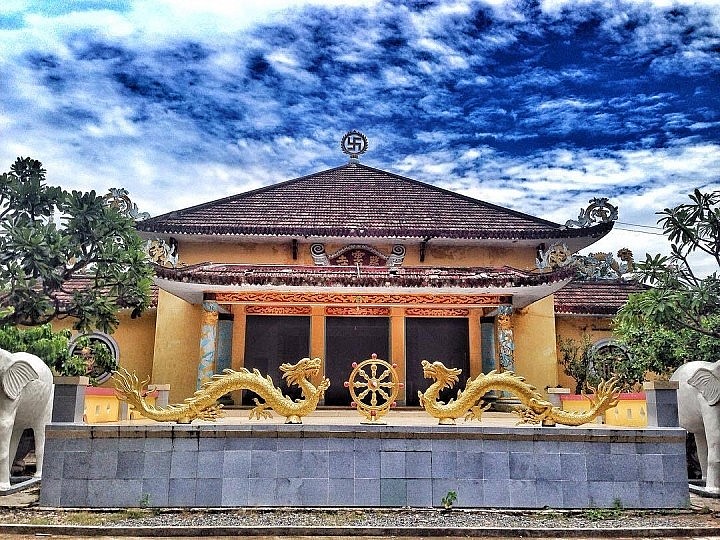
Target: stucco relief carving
pixel 357 254
pixel 357 310
pixel 366 298
pixel 278 310
pixel 436 312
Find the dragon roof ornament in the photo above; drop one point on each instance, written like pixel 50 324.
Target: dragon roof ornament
pixel 119 198
pixel 158 250
pixel 599 211
pixel 601 265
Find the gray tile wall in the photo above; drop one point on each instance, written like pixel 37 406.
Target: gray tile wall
pixel 267 465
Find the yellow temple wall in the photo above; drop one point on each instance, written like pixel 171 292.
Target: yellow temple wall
pixel 573 328
pixel 135 339
pixel 535 350
pixel 177 345
pixel 281 253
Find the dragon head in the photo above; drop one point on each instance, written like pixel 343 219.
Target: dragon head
pixel 444 375
pixel 304 369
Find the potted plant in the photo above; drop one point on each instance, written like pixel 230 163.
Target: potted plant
pixel 590 363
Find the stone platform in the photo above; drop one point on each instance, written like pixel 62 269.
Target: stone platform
pixel 332 460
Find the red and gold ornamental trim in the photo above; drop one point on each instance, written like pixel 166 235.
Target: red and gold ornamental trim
pixel 437 312
pixel 254 297
pixel 278 310
pixel 358 311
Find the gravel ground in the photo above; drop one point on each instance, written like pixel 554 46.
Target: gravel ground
pixel 703 513
pixel 699 515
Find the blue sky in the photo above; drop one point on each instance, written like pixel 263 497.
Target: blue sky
pixel 534 105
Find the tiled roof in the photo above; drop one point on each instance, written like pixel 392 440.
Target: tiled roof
pixel 351 276
pixel 355 200
pixel 598 297
pixel 81 283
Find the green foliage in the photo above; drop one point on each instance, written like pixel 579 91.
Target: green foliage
pixel 90 357
pixel 602 514
pixel 449 499
pixel 42 341
pixel 50 238
pixel 678 318
pixel 589 364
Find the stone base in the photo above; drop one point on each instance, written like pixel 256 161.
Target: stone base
pixel 698 488
pixel 206 465
pixel 19 484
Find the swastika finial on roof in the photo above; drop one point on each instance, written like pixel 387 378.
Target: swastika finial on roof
pixel 354 143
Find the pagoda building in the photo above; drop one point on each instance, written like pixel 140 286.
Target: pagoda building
pixel 354 261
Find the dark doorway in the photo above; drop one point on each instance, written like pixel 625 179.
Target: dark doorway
pixel 444 340
pixel 348 340
pixel 271 341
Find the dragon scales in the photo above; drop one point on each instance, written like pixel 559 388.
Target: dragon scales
pixel 535 408
pixel 203 404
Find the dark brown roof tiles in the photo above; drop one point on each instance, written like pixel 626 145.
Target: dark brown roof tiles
pixel 598 297
pixel 355 200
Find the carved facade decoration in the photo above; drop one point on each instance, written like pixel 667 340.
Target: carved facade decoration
pixel 556 256
pixel 599 211
pixel 272 297
pixel 536 409
pixel 506 342
pixel 594 266
pixel 158 251
pixel 204 406
pixel 119 198
pixel 436 312
pixel 320 258
pixel 358 311
pixel 357 255
pixel 162 253
pixel 208 339
pixel 604 265
pixel 397 255
pixel 278 310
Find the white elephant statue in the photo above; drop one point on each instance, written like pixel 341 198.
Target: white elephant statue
pixel 26 402
pixel 698 398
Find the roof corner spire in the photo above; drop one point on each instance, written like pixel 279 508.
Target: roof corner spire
pixel 354 143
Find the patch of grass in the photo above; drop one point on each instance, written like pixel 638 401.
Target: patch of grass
pixel 85 518
pixel 601 514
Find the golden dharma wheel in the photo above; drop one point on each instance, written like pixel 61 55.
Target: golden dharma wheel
pixel 374 386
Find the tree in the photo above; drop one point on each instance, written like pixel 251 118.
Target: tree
pixel 591 363
pixel 66 254
pixel 678 318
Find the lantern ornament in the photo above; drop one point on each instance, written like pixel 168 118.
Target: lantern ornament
pixel 373 386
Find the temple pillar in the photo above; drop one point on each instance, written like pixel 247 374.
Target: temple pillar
pixel 475 341
pixel 238 345
pixel 317 341
pixel 397 348
pixel 506 352
pixel 506 343
pixel 208 342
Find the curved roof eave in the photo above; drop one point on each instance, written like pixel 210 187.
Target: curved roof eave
pixel 575 238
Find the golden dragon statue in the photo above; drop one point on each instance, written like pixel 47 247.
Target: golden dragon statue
pixel 535 408
pixel 203 404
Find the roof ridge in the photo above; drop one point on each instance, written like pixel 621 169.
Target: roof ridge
pixel 285 183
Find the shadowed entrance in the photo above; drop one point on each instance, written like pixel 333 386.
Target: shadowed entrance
pixel 348 340
pixel 432 339
pixel 271 341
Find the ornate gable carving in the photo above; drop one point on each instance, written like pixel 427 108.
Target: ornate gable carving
pixel 357 254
